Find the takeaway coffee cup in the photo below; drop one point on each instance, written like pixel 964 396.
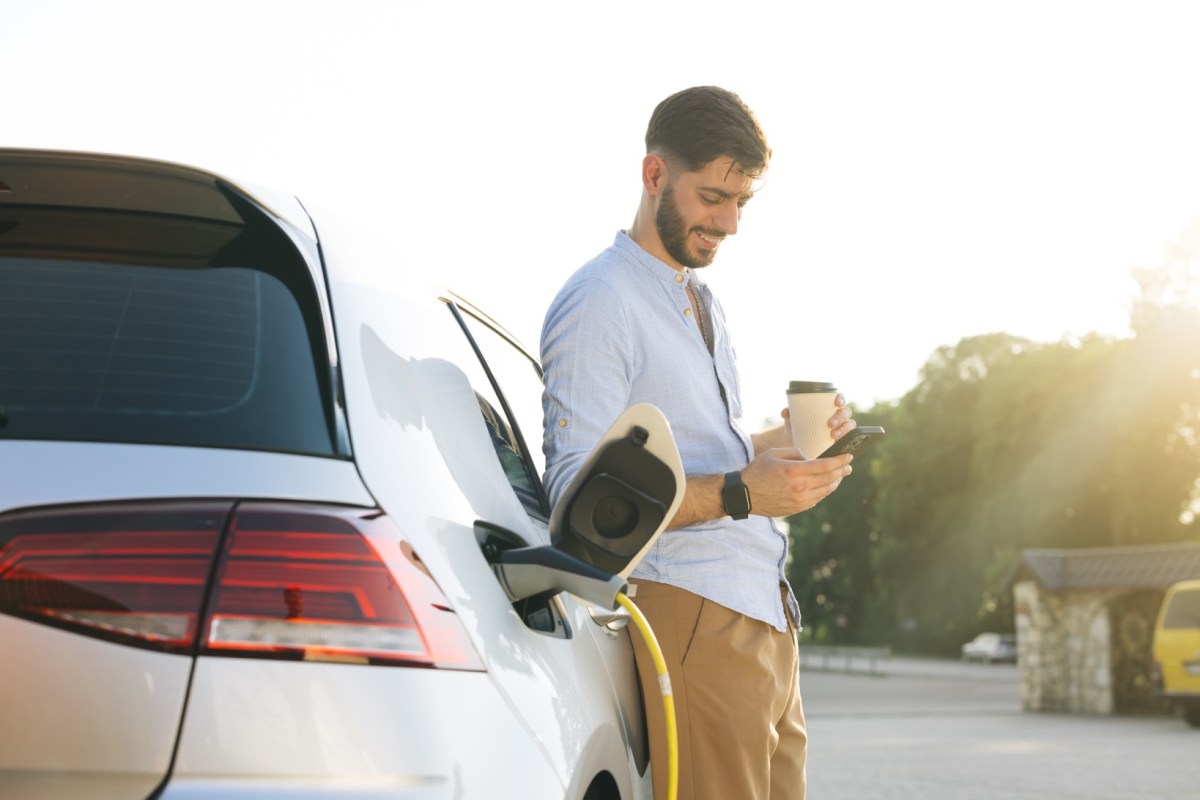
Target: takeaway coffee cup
pixel 810 405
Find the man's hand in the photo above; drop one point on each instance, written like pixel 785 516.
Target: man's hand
pixel 782 482
pixel 840 424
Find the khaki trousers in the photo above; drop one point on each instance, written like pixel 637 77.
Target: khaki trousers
pixel 735 683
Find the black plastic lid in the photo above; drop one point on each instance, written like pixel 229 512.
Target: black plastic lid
pixel 810 387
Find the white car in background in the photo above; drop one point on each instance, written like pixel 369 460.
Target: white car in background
pixel 991 648
pixel 254 512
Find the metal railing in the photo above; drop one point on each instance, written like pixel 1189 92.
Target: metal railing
pixel 835 658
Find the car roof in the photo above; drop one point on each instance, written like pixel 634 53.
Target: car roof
pixel 129 183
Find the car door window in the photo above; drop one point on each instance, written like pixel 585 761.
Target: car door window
pixel 514 418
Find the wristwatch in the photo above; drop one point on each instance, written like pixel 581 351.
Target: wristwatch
pixel 735 497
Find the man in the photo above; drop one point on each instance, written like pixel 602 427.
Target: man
pixel 636 324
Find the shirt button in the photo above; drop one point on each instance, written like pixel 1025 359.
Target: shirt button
pixel 562 423
pixel 679 278
pixel 687 312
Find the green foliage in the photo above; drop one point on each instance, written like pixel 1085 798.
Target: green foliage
pixel 832 570
pixel 1006 444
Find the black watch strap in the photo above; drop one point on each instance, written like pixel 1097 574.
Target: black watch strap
pixel 735 497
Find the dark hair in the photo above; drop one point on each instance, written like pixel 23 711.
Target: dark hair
pixel 701 124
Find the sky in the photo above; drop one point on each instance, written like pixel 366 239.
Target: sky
pixel 940 169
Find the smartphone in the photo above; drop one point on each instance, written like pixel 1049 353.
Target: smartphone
pixel 855 442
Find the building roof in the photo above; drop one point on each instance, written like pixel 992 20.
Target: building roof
pixel 1144 567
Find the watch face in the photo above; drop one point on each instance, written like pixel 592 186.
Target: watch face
pixel 737 502
pixel 735 496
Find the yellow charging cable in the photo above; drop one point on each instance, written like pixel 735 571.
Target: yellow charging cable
pixel 664 686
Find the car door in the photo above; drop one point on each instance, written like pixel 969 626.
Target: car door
pixel 602 632
pixel 440 434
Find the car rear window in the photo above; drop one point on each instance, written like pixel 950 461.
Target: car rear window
pixel 159 331
pixel 1184 610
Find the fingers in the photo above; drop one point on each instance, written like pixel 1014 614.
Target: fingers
pixel 823 484
pixel 822 491
pixel 781 482
pixel 844 428
pixel 834 474
pixel 841 415
pixel 814 497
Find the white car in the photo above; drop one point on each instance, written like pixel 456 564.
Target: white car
pixel 991 648
pixel 269 530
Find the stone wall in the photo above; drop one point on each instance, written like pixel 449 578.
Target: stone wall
pixel 1064 649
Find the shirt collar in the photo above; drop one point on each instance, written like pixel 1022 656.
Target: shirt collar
pixel 656 266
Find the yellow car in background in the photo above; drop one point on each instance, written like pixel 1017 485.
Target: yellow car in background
pixel 1177 649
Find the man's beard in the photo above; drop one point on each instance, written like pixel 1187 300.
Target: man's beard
pixel 674 234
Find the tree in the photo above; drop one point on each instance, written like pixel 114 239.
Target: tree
pixel 1005 444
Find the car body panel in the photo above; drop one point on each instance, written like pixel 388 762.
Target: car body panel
pixel 612 640
pixel 54 473
pixel 1177 642
pixel 53 709
pixel 415 420
pixel 406 404
pixel 349 730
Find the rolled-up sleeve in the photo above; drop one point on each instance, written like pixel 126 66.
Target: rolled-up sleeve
pixel 589 359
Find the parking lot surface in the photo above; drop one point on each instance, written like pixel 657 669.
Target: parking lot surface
pixel 949 731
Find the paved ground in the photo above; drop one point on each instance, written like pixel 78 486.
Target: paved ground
pixel 950 731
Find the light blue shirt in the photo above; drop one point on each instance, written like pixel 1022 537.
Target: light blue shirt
pixel 621 332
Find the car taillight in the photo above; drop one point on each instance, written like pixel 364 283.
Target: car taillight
pixel 126 573
pixel 295 580
pixel 255 579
